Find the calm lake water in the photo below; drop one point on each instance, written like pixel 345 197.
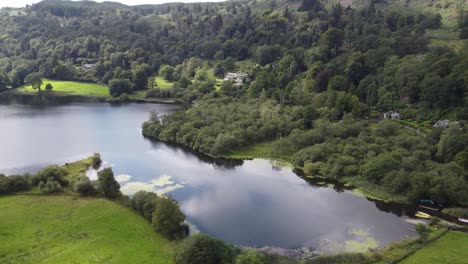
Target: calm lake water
pixel 249 203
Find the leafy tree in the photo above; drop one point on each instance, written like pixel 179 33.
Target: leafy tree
pixel 168 219
pixel 203 249
pixel 34 80
pixel 140 79
pixel 452 141
pixel 144 203
pixel 166 72
pixel 108 186
pixel 118 87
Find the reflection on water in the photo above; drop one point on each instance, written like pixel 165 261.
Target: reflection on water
pixel 252 202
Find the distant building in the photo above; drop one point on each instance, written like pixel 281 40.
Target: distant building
pixel 392 115
pixel 88 66
pixel 237 77
pixel 445 123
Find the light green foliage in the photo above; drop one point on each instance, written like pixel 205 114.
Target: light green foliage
pixel 450 248
pixel 34 80
pixel 250 256
pixel 51 186
pixel 63 229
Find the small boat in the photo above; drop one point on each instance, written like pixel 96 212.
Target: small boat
pixel 464 220
pixel 422 215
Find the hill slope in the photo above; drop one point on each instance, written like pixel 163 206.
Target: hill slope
pixel 63 229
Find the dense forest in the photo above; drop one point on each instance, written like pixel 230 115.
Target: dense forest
pixel 317 78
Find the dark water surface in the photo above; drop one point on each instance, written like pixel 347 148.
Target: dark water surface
pixel 248 203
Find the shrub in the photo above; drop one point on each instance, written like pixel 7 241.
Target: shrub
pixel 168 219
pixel 250 256
pixel 203 249
pixel 423 231
pixel 51 186
pixel 14 183
pixel 84 187
pixel 55 172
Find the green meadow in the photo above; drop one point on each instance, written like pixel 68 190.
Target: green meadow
pixel 70 87
pixel 68 229
pixel 451 248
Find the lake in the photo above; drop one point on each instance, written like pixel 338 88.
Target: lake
pixel 249 203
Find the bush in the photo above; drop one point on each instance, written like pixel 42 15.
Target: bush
pixel 168 219
pixel 55 172
pixel 423 231
pixel 108 186
pixel 14 183
pixel 84 187
pixel 203 249
pixel 250 256
pixel 51 186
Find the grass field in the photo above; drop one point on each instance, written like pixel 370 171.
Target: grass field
pixel 451 248
pixel 259 150
pixel 66 229
pixel 69 87
pixel 162 83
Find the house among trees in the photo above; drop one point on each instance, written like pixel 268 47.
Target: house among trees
pixel 88 66
pixel 392 115
pixel 237 77
pixel 445 123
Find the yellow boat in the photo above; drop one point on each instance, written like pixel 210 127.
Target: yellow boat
pixel 422 215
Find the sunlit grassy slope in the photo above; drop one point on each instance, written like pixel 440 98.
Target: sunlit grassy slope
pixel 66 229
pixel 451 248
pixel 69 87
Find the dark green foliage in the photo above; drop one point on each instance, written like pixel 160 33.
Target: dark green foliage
pixel 463 33
pixel 84 187
pixel 107 185
pixel 140 79
pixel 203 249
pixel 51 186
pixel 144 203
pixel 14 183
pixel 219 125
pixel 96 158
pixel 168 219
pixel 49 87
pixel 55 172
pixel 118 87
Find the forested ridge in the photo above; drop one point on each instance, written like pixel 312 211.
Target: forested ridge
pixel 319 77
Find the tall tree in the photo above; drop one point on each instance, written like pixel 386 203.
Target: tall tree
pixel 34 80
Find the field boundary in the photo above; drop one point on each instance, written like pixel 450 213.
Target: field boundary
pixel 425 243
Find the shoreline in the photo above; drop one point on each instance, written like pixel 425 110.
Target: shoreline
pixel 57 98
